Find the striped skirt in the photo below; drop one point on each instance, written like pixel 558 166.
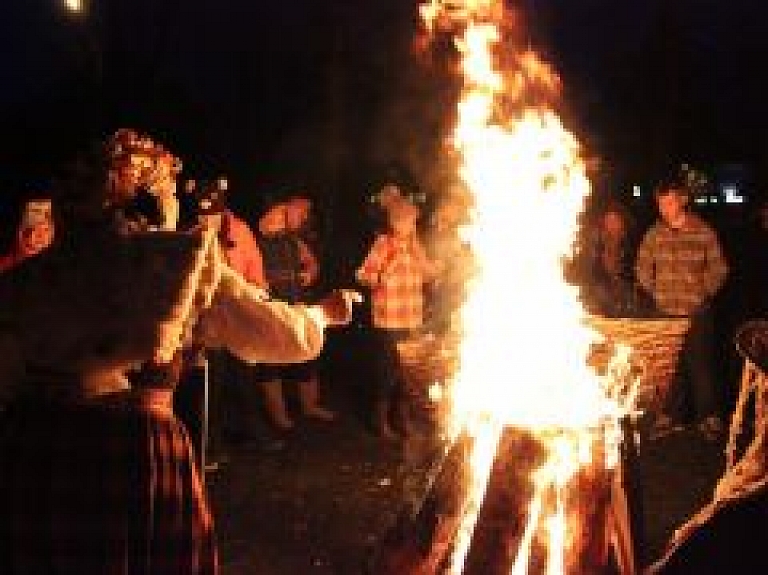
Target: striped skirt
pixel 107 488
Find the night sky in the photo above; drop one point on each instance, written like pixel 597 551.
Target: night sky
pixel 327 94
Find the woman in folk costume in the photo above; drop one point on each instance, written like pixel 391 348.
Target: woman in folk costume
pixel 98 475
pixel 396 269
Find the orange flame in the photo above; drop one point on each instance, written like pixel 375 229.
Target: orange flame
pixel 523 357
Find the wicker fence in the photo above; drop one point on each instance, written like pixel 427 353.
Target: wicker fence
pixel 655 345
pixel 655 349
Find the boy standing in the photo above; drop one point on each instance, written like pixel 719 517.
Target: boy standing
pixel 680 263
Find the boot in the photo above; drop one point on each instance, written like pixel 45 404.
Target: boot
pixel 275 404
pixel 308 399
pixel 381 423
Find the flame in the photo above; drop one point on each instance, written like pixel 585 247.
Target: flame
pixel 486 435
pixel 523 357
pixel 524 552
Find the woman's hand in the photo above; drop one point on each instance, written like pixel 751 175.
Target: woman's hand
pixel 337 306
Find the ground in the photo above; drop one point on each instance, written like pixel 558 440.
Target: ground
pixel 322 504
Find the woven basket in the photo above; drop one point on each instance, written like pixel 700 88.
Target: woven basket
pixel 425 360
pixel 655 344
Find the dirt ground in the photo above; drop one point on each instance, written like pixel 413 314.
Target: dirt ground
pixel 322 501
pixel 319 505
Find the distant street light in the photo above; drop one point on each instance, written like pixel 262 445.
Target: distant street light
pixel 74 6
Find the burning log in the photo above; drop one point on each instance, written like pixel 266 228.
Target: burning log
pixel 422 542
pixel 499 537
pixel 502 520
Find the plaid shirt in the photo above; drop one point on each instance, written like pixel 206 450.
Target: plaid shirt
pixel 681 268
pixel 396 270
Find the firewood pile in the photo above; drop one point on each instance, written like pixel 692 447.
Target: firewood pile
pixel 423 543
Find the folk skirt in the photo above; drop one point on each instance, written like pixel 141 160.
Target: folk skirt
pixel 108 488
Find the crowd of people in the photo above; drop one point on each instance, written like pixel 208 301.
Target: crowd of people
pixel 684 267
pixel 116 291
pixel 99 473
pixel 678 267
pixel 117 284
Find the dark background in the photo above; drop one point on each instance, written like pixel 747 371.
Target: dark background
pixel 329 96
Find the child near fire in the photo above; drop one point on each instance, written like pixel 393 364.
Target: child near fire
pixel 396 270
pixel 291 271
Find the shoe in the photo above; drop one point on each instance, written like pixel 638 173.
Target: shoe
pixel 712 428
pixel 664 426
pixel 308 398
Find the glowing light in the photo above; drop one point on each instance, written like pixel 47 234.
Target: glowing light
pixel 523 359
pixel 733 195
pixel 435 392
pixel 486 434
pixel 75 6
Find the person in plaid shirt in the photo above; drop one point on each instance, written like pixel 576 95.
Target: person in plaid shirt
pixel 396 270
pixel 681 265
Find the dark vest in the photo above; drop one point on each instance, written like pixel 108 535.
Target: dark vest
pixel 282 266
